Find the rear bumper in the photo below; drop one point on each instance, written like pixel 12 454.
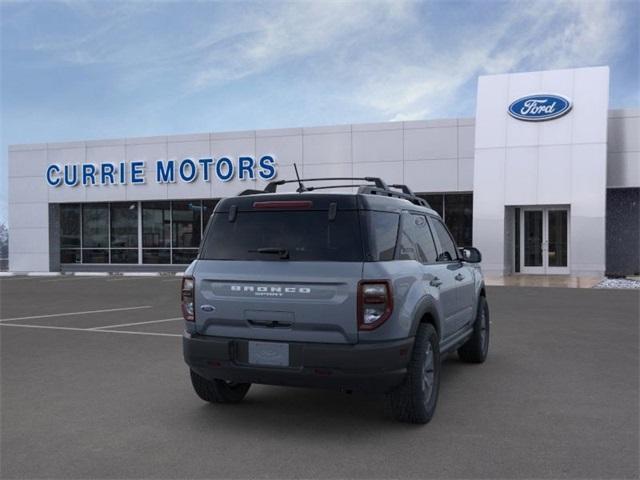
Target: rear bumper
pixel 373 367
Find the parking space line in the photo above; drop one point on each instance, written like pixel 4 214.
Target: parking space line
pixel 136 323
pixel 74 329
pixel 72 278
pixel 18 279
pixel 124 279
pixel 75 313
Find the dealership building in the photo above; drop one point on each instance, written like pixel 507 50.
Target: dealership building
pixel 544 180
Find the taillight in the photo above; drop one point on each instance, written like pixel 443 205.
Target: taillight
pixel 375 303
pixel 186 299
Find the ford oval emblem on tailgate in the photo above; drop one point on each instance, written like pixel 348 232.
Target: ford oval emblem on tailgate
pixel 207 308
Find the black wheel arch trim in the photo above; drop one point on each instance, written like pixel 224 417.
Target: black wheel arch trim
pixel 426 307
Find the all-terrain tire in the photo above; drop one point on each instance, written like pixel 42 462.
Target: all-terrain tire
pixel 475 349
pixel 414 401
pixel 218 391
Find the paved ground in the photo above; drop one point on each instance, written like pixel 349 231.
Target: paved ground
pixel 558 396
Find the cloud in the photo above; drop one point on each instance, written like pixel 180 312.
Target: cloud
pixel 393 58
pixel 293 31
pixel 534 36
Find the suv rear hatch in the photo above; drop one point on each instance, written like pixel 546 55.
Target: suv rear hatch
pixel 281 267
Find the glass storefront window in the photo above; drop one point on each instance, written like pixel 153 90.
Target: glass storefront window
pixel 108 232
pixel 458 215
pixel 156 255
pixel 124 225
pixel 183 255
pixel 95 255
pixel 156 224
pixel 186 218
pixel 70 255
pixel 127 255
pixel 69 226
pixel 95 225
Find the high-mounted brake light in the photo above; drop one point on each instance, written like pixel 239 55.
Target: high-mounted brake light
pixel 284 204
pixel 186 299
pixel 375 303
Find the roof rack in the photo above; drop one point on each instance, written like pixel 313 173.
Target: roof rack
pixel 376 186
pixel 273 186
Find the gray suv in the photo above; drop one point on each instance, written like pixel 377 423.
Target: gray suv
pixel 361 291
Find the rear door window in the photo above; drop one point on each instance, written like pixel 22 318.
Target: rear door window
pixel 416 241
pixel 284 235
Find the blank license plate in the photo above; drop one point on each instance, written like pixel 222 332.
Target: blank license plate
pixel 269 353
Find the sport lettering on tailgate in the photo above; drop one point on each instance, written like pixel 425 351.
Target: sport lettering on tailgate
pixel 240 289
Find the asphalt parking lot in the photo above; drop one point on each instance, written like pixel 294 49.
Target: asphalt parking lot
pixel 94 386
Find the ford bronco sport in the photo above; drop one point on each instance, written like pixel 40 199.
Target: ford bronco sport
pixel 356 291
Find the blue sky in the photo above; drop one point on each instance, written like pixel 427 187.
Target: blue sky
pixel 81 70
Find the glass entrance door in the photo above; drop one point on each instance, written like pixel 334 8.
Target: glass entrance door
pixel 544 240
pixel 533 241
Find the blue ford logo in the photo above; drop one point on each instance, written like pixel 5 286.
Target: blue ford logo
pixel 536 108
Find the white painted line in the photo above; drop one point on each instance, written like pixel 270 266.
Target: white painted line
pixel 43 274
pixel 136 323
pixel 75 313
pixel 7 274
pixel 69 278
pixel 91 274
pixel 120 278
pixel 48 327
pixel 140 274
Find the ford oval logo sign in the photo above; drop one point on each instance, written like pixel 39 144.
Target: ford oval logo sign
pixel 536 108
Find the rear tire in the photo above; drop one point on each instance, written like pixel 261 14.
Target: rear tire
pixel 218 391
pixel 475 349
pixel 415 400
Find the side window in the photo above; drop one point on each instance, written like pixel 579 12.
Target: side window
pixel 416 242
pixel 383 233
pixel 448 249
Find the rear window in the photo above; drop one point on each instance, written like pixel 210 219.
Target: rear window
pixel 284 235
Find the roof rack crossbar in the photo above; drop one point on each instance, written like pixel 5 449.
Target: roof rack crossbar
pixel 376 187
pixel 273 186
pixel 327 187
pixel 391 193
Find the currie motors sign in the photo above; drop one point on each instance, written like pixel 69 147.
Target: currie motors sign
pixel 188 170
pixel 537 108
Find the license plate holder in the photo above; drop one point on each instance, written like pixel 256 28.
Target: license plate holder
pixel 273 354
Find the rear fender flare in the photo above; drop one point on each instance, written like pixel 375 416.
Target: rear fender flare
pixel 426 306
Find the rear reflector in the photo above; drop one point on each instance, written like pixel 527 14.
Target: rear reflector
pixel 284 204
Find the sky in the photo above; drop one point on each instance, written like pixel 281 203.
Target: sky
pixel 73 70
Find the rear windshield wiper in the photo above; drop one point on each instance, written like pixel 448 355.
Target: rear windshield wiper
pixel 283 252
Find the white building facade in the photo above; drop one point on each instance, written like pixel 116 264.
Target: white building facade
pixel 544 180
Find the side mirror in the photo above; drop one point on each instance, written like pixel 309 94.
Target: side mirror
pixel 471 254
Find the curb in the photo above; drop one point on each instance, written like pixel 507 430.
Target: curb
pixel 92 274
